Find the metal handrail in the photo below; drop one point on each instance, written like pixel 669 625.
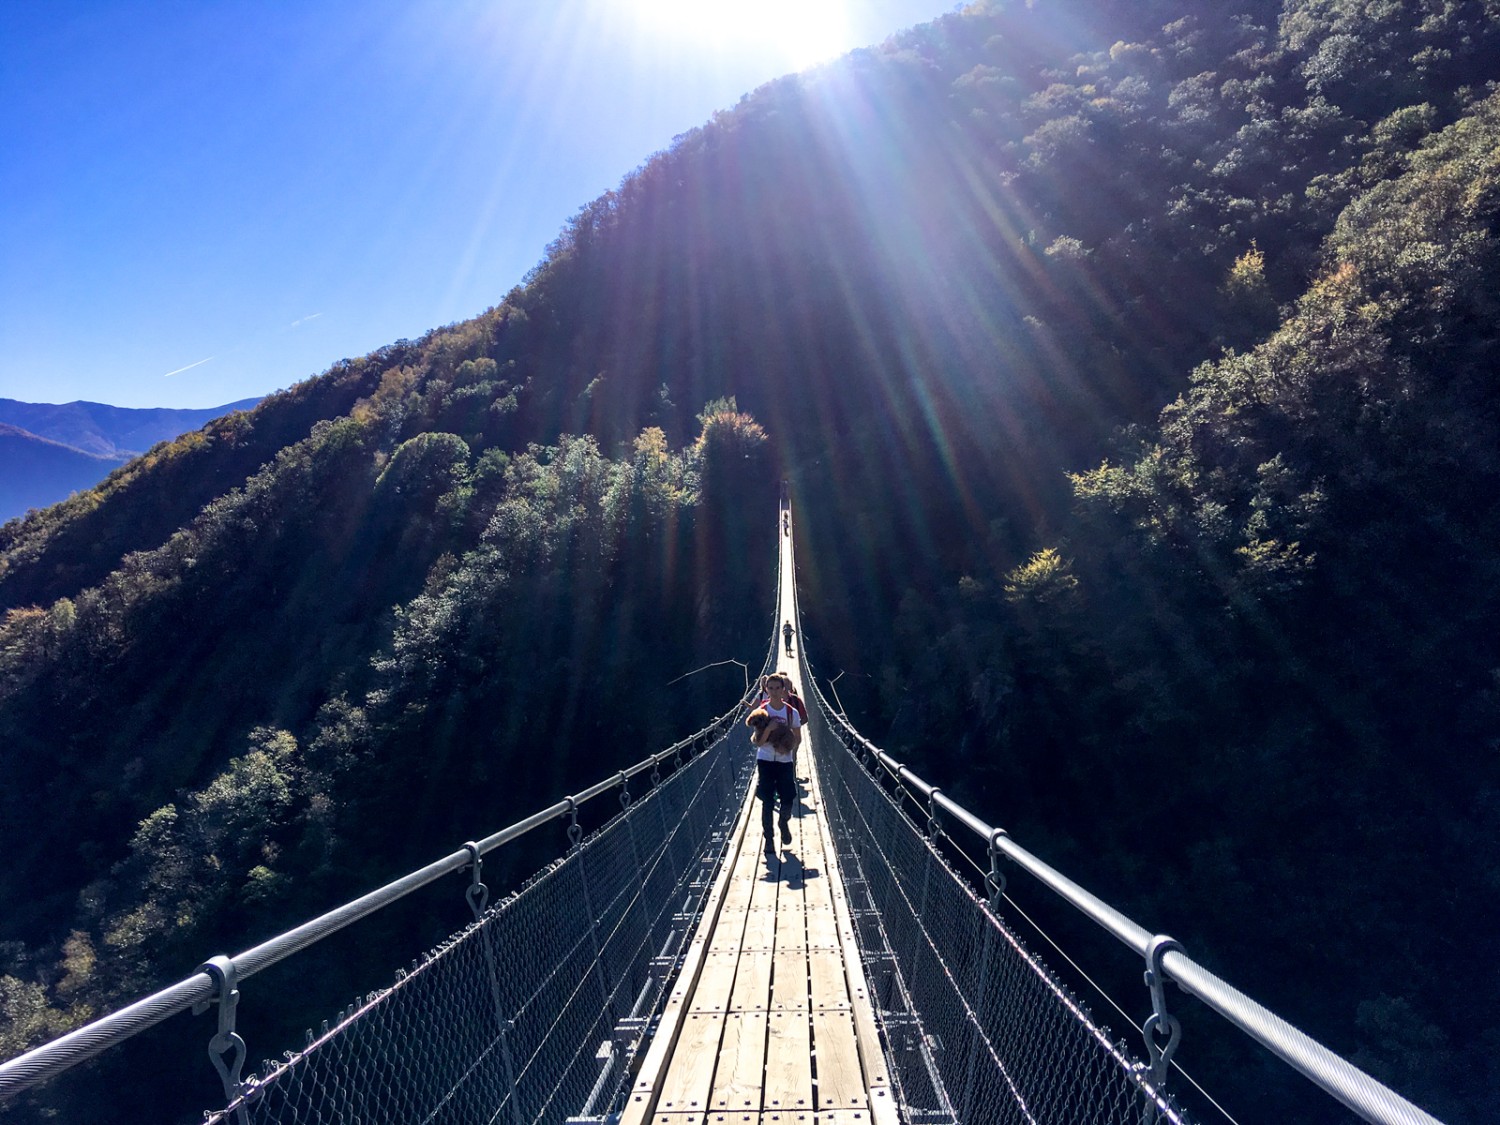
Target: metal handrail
pixel 51 1059
pixel 1361 1093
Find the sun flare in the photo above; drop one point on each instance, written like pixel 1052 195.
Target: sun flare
pixel 802 32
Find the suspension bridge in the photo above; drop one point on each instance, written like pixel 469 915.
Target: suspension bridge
pixel 669 969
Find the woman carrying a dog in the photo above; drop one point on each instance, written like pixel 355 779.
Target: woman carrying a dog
pixel 776 732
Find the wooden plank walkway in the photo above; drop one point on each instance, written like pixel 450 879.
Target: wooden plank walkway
pixel 769 1021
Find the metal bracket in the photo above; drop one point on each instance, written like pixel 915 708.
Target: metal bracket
pixel 934 827
pixel 625 797
pixel 575 833
pixel 994 882
pixel 226 1041
pixel 1160 1021
pixel 630 1029
pixel 476 892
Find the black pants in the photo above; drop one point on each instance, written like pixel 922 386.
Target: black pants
pixel 777 779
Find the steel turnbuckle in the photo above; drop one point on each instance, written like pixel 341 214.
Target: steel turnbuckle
pixel 476 892
pixel 1160 1022
pixel 994 882
pixel 226 1041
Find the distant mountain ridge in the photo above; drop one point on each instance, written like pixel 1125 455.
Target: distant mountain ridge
pixel 117 432
pixel 48 451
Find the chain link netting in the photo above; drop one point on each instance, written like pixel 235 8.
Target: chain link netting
pixel 977 1028
pixel 532 1013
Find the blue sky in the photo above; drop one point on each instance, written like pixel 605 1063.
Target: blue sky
pixel 210 200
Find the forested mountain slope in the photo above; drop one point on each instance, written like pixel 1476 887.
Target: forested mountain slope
pixel 1203 625
pixel 48 451
pixel 34 471
pixel 107 431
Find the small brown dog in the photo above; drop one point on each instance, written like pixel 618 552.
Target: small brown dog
pixel 780 739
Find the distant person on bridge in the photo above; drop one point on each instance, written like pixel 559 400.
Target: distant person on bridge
pixel 776 766
pixel 788 632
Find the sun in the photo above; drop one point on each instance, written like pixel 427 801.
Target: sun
pixel 801 33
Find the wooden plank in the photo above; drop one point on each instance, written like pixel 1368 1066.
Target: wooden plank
pixel 715 982
pixel 829 987
pixel 742 1064
pixel 748 861
pixel 841 1083
pixel 791 930
pixel 822 930
pixel 728 934
pixel 789 981
pixel 815 871
pixel 737 894
pixel 760 931
pixel 752 982
pixel 814 892
pixel 689 1078
pixel 867 1037
pixel 874 1072
pixel 871 1057
pixel 794 890
pixel 788 1062
pixel 642 1101
pixel 766 891
pixel 678 1119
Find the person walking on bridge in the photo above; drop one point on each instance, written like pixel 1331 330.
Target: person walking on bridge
pixel 776 765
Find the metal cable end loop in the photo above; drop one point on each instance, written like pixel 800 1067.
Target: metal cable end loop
pixel 1160 1020
pixel 1161 1055
pixel 476 892
pixel 226 1040
pixel 995 881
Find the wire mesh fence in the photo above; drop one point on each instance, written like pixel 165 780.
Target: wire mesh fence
pixel 533 1012
pixel 977 1028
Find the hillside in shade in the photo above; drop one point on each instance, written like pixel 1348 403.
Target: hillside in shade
pixel 49 451
pixel 109 431
pixel 1132 367
pixel 36 472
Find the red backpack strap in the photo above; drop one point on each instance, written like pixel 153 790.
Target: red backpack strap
pixel 792 700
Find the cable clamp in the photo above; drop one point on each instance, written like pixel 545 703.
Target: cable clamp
pixel 1160 1022
pixel 227 1041
pixel 575 833
pixel 476 892
pixel 994 882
